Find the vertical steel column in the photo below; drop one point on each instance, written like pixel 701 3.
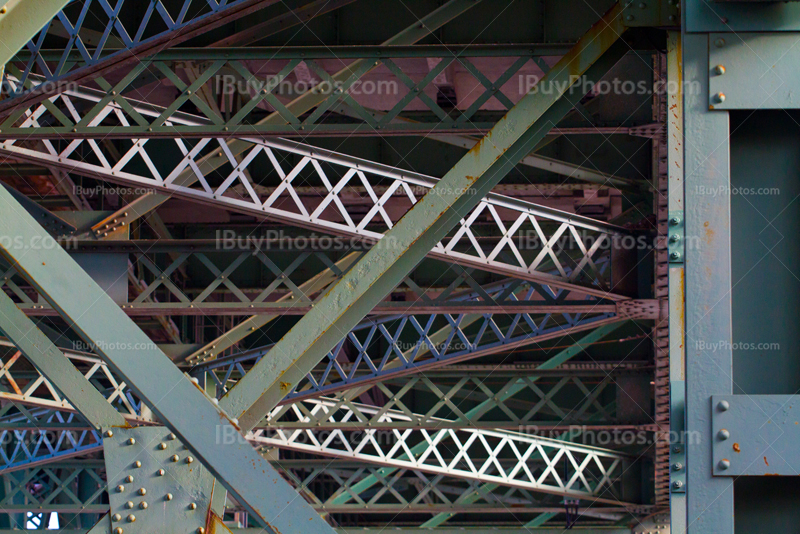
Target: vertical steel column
pixel 708 290
pixel 676 281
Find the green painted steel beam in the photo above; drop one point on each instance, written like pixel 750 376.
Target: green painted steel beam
pixel 20 20
pixel 419 231
pixel 55 366
pixel 176 400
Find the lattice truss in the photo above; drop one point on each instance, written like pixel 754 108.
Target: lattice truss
pixel 89 35
pixel 506 458
pixel 530 403
pixel 391 346
pixel 237 90
pixel 502 234
pixel 270 276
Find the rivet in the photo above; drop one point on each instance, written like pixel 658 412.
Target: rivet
pixel 629 18
pixel 109 433
pixel 3 10
pixel 137 464
pixel 168 496
pixel 172 436
pixel 720 97
pixel 201 530
pixel 719 43
pixel 175 458
pixel 142 491
pixel 162 445
pixel 189 459
pixel 120 488
pixel 116 517
pixel 161 472
pixel 118 530
pixel 724 464
pixel 192 506
pixel 129 478
pixel 131 441
pixel 719 70
pixel 143 505
pixel 723 406
pixel 131 518
pixel 723 434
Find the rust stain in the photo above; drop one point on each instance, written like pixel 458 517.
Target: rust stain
pixel 736 447
pixel 765 461
pixel 285 386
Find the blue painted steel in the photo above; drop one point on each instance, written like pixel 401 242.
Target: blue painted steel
pixel 714 16
pixel 755 435
pixel 754 70
pixel 708 290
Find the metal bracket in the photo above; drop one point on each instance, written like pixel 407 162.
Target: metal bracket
pixel 675 237
pixel 677 424
pixel 753 71
pixel 153 482
pixel 755 435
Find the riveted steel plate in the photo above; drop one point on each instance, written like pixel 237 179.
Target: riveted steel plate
pixel 714 16
pixel 756 435
pixel 167 503
pixel 753 71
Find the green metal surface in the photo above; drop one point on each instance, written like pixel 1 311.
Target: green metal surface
pixel 53 364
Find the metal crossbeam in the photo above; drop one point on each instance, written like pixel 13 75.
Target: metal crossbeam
pixel 527 236
pixel 459 191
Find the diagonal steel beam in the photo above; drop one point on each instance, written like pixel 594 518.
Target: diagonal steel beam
pixel 54 365
pixel 424 226
pixel 176 400
pixel 20 20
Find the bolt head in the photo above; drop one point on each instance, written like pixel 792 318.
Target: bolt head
pixel 677 484
pixel 674 221
pixel 674 238
pixel 675 255
pixel 677 466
